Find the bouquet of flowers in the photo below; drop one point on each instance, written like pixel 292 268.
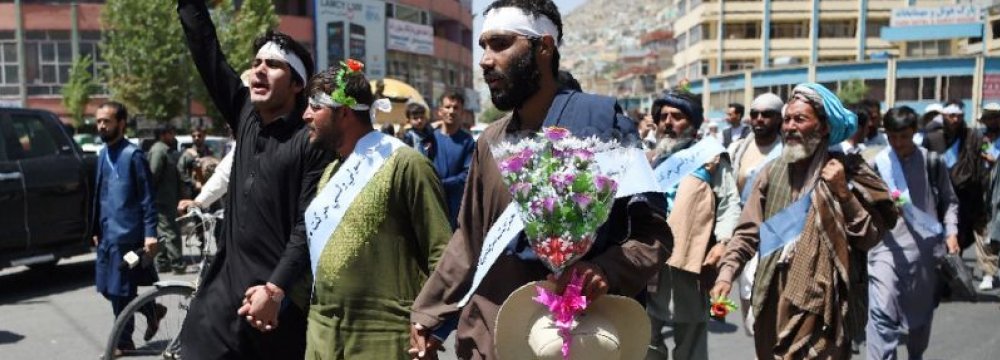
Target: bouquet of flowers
pixel 563 194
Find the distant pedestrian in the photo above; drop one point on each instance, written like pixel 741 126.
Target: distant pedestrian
pixel 124 220
pixel 167 182
pixel 737 130
pixel 453 155
pixel 420 135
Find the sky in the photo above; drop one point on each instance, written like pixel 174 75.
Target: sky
pixel 565 6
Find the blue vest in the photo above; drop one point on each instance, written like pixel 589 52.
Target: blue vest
pixel 118 200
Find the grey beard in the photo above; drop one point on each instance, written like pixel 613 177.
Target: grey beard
pixel 799 152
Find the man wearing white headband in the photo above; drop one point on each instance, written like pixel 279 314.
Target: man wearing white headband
pixel 520 40
pixel 251 302
pixel 378 214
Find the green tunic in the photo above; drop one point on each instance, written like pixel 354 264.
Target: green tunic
pixel 376 261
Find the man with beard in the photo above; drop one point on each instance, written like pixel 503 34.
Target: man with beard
pixel 806 293
pixel 483 263
pixel 379 215
pixel 167 182
pixel 749 156
pixel 902 268
pixel 876 136
pixel 251 302
pixel 961 150
pixel 124 219
pixel 710 202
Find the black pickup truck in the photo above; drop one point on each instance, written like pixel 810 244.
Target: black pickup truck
pixel 46 186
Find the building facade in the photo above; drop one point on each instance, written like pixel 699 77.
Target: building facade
pixel 906 52
pixel 39 39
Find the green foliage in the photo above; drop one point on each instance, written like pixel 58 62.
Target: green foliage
pixel 853 91
pixel 145 50
pixel 491 114
pixel 76 93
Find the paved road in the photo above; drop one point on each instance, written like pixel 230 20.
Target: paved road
pixel 58 315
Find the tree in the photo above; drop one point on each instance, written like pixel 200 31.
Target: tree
pixel 853 91
pixel 76 93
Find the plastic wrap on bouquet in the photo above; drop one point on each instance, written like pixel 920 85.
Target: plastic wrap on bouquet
pixel 564 188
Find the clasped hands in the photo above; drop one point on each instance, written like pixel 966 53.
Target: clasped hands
pixel 261 304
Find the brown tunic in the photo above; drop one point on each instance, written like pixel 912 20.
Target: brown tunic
pixel 802 306
pixel 635 253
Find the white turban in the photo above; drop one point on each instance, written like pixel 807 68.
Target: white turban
pixel 767 101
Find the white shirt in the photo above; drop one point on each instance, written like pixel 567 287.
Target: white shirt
pixel 216 185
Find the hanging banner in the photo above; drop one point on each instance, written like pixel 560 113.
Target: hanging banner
pixel 409 37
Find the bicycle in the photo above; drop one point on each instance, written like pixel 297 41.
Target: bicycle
pixel 169 300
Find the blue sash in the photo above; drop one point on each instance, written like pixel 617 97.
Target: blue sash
pixel 951 155
pixel 686 161
pixel 923 224
pixel 327 209
pixel 752 175
pixel 785 226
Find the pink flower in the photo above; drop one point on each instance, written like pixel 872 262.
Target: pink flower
pixel 582 200
pixel 549 204
pixel 512 164
pixel 555 133
pixel 583 155
pixel 561 181
pixel 604 183
pixel 521 189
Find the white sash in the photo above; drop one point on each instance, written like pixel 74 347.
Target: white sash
pixel 686 161
pixel 889 167
pixel 635 168
pixel 327 210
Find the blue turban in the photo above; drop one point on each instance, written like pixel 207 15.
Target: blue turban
pixel 688 105
pixel 843 122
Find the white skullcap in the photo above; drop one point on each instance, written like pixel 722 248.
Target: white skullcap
pixel 952 109
pixel 933 107
pixel 272 51
pixel 516 20
pixel 991 107
pixel 767 101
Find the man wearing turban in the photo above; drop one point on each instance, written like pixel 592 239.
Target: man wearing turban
pixel 809 289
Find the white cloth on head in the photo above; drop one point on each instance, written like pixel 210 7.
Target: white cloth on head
pixel 952 109
pixel 324 99
pixel 516 20
pixel 767 101
pixel 933 107
pixel 272 51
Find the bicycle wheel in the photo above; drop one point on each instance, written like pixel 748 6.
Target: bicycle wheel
pixel 169 303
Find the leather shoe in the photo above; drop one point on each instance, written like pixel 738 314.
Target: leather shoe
pixel 153 324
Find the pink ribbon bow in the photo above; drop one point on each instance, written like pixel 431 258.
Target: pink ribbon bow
pixel 564 308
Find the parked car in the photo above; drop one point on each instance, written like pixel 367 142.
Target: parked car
pixel 46 186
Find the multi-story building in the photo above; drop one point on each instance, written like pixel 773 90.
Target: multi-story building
pixel 38 40
pixel 732 50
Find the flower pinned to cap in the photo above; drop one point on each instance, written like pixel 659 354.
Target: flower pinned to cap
pixel 340 93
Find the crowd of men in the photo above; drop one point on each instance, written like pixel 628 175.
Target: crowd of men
pixel 344 242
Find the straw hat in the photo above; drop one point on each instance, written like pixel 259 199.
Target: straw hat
pixel 612 328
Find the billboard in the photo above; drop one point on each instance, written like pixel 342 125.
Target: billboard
pixel 410 37
pixel 943 15
pixel 351 29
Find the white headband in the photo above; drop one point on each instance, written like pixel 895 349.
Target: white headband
pixel 324 99
pixel 271 51
pixel 512 19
